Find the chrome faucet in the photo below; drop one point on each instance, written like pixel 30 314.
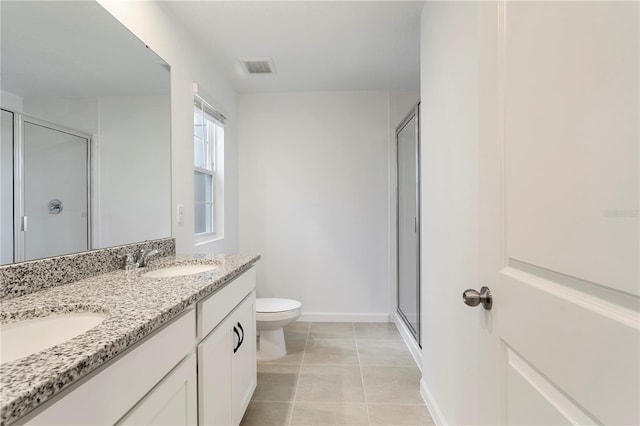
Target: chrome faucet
pixel 145 254
pixel 129 262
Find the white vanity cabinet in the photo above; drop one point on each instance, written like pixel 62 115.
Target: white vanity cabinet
pixel 227 353
pixel 198 369
pixel 138 375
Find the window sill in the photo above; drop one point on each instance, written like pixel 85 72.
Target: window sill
pixel 207 239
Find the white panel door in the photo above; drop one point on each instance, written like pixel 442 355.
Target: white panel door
pixel 559 212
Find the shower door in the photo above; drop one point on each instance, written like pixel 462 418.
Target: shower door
pixel 6 188
pixel 55 194
pixel 408 226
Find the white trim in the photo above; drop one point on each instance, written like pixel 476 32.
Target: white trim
pixel 204 239
pixel 558 285
pixel 409 341
pixel 96 213
pixel 342 317
pixel 393 220
pixel 430 402
pixel 210 100
pixel 214 136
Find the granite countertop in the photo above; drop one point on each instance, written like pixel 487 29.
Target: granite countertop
pixel 135 307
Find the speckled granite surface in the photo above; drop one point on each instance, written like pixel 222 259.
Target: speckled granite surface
pixel 53 271
pixel 136 306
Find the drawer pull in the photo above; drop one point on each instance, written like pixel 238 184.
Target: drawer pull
pixel 237 345
pixel 240 337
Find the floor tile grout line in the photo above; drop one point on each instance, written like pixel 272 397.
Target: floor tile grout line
pixel 305 361
pixel 411 404
pixel 391 404
pixel 334 338
pixel 317 364
pixel 331 403
pixel 391 366
pixel 364 392
pixel 295 392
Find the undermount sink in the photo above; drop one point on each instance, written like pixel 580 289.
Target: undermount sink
pixel 26 337
pixel 179 271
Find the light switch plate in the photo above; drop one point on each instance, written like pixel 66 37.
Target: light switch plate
pixel 180 213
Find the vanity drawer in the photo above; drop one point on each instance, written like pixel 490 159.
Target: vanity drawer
pixel 212 310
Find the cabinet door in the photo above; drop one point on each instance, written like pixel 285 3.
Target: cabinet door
pixel 214 375
pixel 227 367
pixel 171 402
pixel 243 366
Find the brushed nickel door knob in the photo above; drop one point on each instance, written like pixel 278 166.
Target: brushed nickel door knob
pixel 472 298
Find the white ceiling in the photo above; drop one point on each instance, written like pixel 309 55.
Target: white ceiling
pixel 73 49
pixel 316 45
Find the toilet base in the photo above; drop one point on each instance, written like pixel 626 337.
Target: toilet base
pixel 271 345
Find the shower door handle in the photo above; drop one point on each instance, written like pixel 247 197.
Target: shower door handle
pixel 24 224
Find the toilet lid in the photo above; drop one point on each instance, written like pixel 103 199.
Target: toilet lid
pixel 276 305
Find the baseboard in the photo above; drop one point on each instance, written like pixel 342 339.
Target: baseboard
pixel 409 341
pixel 340 317
pixel 430 402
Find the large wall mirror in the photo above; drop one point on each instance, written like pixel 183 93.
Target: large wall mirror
pixel 85 143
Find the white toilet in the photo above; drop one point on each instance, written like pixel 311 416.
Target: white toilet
pixel 271 316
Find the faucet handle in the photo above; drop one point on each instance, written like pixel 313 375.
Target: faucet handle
pixel 128 260
pixel 145 253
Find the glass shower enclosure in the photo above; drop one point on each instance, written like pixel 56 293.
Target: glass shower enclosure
pixel 408 221
pixel 45 189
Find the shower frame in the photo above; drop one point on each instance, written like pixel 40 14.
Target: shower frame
pixel 19 119
pixel 414 331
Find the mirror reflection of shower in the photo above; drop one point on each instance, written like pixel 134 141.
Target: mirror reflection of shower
pixel 6 189
pixel 45 189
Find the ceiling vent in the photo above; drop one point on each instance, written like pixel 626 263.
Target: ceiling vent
pixel 259 65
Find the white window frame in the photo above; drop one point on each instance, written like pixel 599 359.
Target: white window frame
pixel 214 137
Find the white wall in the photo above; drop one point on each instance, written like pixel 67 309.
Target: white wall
pixel 80 114
pixel 400 103
pixel 156 28
pixel 449 138
pixel 10 101
pixel 135 178
pixel 315 199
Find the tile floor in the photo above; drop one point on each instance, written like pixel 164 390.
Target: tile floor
pixel 339 374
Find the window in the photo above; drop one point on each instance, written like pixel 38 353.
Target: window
pixel 208 140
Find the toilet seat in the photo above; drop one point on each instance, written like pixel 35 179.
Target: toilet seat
pixel 272 305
